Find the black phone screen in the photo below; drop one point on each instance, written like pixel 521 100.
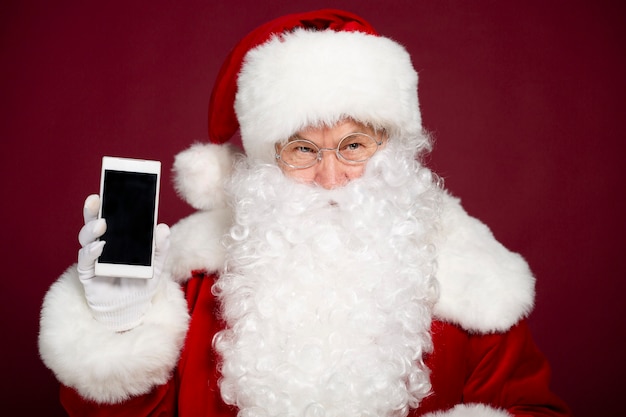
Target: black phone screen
pixel 128 206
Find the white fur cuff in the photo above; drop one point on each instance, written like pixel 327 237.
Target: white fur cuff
pixel 102 365
pixel 470 410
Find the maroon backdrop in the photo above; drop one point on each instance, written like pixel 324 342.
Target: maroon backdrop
pixel 525 100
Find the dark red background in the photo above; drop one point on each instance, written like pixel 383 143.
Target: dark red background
pixel 525 99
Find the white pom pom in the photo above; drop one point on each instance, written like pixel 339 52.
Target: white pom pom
pixel 199 174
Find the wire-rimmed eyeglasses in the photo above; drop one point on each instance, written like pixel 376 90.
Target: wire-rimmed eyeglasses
pixel 354 148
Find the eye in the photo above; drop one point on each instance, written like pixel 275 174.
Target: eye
pixel 357 147
pixel 355 143
pixel 304 149
pixel 299 153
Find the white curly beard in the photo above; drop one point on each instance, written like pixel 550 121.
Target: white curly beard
pixel 327 294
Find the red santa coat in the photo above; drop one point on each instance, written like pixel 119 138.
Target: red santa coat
pixel 484 361
pixel 502 370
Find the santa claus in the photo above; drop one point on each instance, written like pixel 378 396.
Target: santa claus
pixel 326 272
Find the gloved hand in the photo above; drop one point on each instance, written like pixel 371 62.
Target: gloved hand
pixel 117 303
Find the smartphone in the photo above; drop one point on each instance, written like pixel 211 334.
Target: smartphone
pixel 129 201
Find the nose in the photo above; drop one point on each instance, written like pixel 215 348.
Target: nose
pixel 330 172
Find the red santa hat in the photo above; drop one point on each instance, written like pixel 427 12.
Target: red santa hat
pixel 301 70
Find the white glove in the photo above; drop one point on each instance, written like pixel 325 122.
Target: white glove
pixel 117 303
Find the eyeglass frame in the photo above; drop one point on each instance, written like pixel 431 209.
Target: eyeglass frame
pixel 319 156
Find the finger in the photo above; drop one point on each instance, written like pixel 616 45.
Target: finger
pixel 162 238
pixel 92 231
pixel 91 208
pixel 162 245
pixel 87 258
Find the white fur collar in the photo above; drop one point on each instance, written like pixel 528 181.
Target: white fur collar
pixel 483 286
pixel 196 243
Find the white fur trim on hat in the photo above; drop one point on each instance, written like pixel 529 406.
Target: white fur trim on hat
pixel 483 286
pixel 102 365
pixel 199 174
pixel 309 78
pixel 471 410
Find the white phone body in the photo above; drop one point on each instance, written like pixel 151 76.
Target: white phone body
pixel 129 202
